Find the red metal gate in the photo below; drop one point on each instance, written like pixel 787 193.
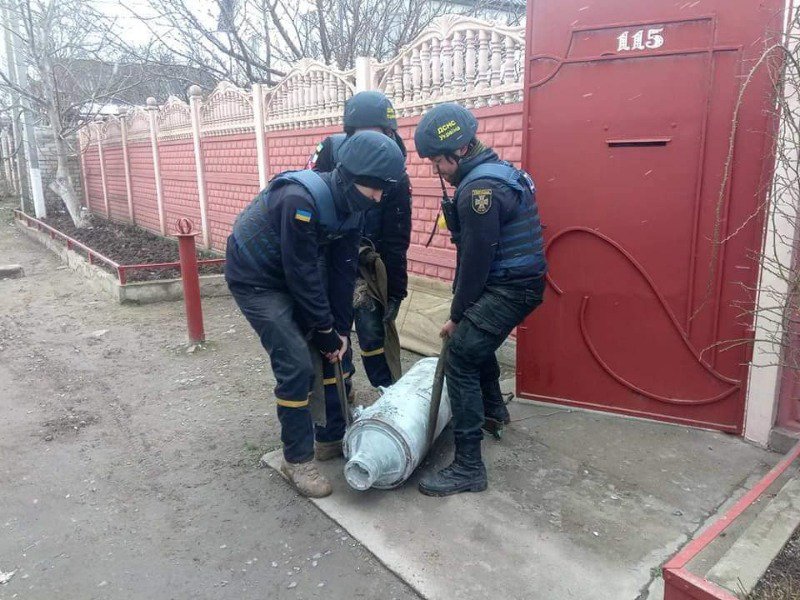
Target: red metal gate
pixel 630 109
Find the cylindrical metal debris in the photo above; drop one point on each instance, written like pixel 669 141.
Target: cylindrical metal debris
pixel 388 440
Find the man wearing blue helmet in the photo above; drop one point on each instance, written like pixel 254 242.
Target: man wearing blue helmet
pixel 386 237
pixel 500 269
pixel 291 266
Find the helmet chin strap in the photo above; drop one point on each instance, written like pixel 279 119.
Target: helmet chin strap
pixel 459 159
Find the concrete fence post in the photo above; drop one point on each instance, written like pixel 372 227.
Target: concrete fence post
pixel 363 73
pixel 98 126
pixel 152 108
pixel 87 140
pixel 258 122
pixel 123 126
pixel 195 97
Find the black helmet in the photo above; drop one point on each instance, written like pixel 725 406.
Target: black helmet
pixel 444 129
pixel 372 159
pixel 369 109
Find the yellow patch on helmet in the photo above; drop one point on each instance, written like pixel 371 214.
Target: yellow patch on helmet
pixel 447 130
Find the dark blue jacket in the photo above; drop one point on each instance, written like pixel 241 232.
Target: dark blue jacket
pixel 500 234
pixel 281 242
pixel 387 226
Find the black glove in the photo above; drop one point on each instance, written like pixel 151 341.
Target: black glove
pixel 326 341
pixel 392 308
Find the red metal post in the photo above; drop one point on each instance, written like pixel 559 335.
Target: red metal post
pixel 191 280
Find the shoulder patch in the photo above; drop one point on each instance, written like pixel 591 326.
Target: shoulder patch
pixel 302 215
pixel 481 200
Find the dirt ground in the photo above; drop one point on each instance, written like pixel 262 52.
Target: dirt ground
pixel 782 579
pixel 129 467
pixel 127 245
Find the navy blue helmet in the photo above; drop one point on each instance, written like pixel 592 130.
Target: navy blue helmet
pixel 444 129
pixel 372 159
pixel 369 109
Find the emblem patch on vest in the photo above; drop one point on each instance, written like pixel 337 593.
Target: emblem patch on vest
pixel 481 201
pixel 302 215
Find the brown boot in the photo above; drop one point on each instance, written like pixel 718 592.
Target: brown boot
pixel 306 479
pixel 328 450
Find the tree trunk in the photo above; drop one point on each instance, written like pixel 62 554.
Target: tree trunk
pixel 64 187
pixel 63 184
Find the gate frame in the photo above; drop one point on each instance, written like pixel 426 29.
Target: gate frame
pixel 768 401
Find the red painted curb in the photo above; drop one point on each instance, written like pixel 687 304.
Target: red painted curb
pixel 679 583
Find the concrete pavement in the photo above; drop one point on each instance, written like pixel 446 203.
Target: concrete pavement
pixel 580 506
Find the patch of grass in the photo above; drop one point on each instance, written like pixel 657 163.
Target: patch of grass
pixel 255 450
pixel 252 447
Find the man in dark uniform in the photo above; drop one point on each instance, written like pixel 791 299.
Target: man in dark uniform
pixel 500 279
pixel 291 267
pixel 387 229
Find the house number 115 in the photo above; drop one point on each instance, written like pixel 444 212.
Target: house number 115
pixel 637 41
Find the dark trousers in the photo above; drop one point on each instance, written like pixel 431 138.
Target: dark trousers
pixel 471 362
pixel 271 315
pixel 371 335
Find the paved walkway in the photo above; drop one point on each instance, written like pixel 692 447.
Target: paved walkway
pixel 129 470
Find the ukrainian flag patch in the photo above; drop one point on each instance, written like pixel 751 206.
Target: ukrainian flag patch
pixel 302 215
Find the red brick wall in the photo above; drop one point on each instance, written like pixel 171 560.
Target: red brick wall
pixel 179 182
pixel 94 183
pixel 143 185
pixel 291 149
pixel 231 170
pixel 115 183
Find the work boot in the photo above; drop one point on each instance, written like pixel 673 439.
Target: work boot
pixel 306 479
pixel 328 450
pixel 467 473
pixel 495 413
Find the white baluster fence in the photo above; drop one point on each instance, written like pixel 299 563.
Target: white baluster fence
pixel 174 120
pixel 311 95
pixel 227 110
pixel 456 59
pixel 474 62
